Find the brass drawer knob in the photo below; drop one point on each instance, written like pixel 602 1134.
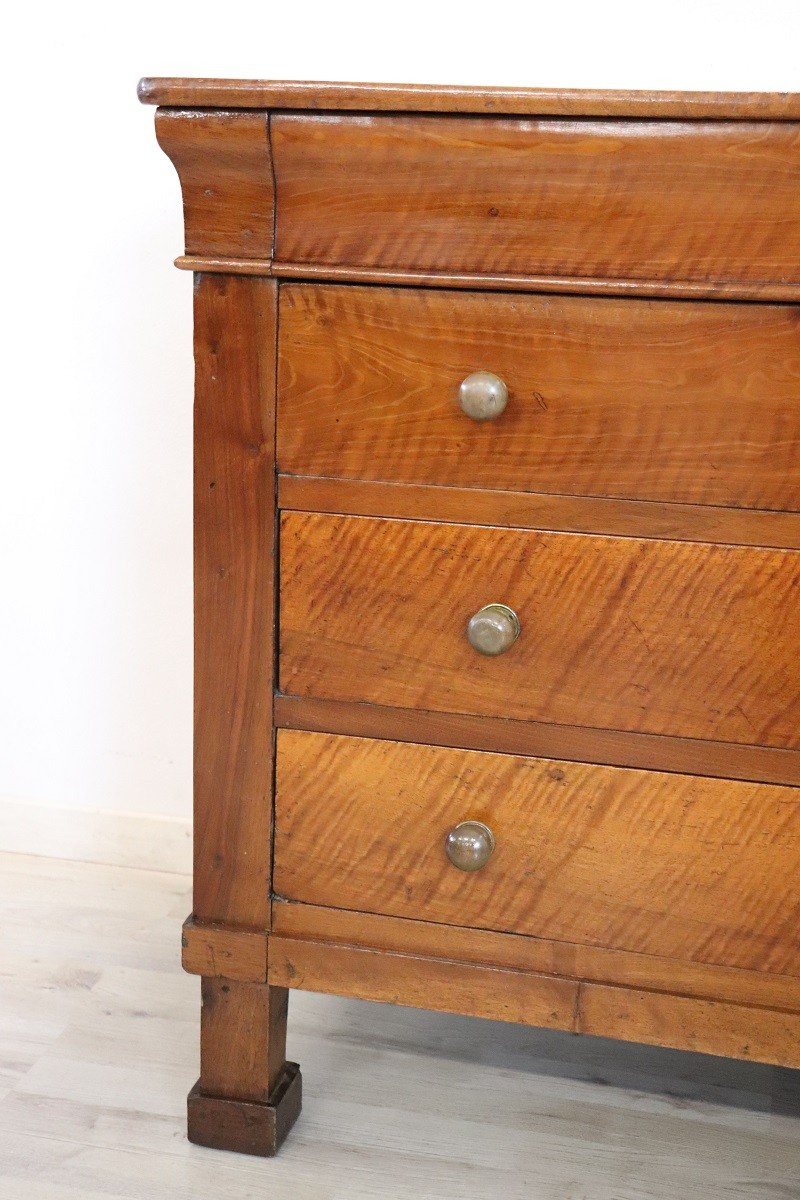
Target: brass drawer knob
pixel 469 846
pixel 483 396
pixel 493 629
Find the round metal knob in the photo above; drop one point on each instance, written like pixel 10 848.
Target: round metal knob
pixel 483 396
pixel 493 629
pixel 469 846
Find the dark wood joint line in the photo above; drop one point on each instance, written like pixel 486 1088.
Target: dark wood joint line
pixel 617 748
pixel 538 510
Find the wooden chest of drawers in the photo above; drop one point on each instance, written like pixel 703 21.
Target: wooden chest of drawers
pixel 497 546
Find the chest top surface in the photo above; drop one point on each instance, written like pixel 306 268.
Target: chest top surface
pixel 505 101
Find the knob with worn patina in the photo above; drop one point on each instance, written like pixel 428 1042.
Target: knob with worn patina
pixel 470 845
pixel 483 396
pixel 493 629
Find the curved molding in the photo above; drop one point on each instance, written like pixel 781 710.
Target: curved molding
pixel 224 165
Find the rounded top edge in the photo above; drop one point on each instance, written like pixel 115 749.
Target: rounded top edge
pixel 468 101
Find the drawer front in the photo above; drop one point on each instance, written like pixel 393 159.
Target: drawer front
pixel 688 402
pixel 676 638
pixel 695 869
pixel 649 200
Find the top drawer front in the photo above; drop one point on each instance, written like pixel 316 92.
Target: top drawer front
pixel 702 202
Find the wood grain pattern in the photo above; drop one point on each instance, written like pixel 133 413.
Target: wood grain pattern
pixel 234 597
pixel 428 939
pixel 708 1027
pixel 646 200
pixel 597 964
pixel 723 760
pixel 535 510
pixel 699 870
pixel 409 97
pixel 700 1025
pixel 435 984
pixel 224 950
pixel 673 638
pixel 225 169
pixel 689 403
pixel 242 1039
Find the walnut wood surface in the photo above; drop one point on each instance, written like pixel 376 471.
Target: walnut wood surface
pixel 224 950
pixel 242 1038
pixel 723 760
pixel 700 870
pixel 687 402
pixel 243 1025
pixel 234 597
pixel 710 1027
pixel 687 1024
pixel 536 510
pixel 515 951
pixel 225 170
pixel 438 984
pixel 674 638
pixel 467 281
pixel 374 97
pixel 244 1126
pixel 651 200
pixel 427 939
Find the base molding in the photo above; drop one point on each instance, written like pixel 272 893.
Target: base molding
pixel 246 1126
pixel 629 1014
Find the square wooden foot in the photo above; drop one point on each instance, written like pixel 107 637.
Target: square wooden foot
pixel 244 1125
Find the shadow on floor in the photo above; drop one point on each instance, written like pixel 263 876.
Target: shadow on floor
pixel 675 1074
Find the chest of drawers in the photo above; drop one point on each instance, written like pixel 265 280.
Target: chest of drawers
pixel 497 565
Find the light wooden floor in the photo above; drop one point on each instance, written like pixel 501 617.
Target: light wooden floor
pixel 98 1032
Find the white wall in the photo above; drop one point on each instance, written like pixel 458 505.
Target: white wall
pixel 95 602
